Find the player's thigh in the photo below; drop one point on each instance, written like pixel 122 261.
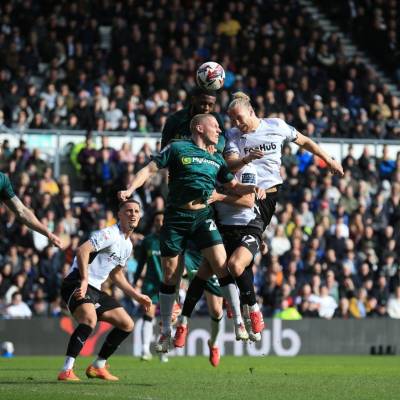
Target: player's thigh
pixel 214 304
pixel 239 260
pixel 85 313
pixel 216 257
pixel 119 318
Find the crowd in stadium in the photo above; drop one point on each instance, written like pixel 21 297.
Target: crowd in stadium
pixel 332 247
pixel 127 67
pixel 334 243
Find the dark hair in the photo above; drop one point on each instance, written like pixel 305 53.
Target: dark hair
pixel 122 203
pixel 159 212
pixel 198 91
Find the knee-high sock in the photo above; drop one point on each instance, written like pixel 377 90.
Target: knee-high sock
pixel 167 299
pixel 112 342
pixel 246 288
pixel 215 328
pixel 193 295
pixel 147 334
pixel 231 295
pixel 78 339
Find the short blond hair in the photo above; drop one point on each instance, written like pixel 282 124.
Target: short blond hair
pixel 197 120
pixel 240 99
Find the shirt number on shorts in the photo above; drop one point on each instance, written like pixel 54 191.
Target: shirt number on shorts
pixel 212 226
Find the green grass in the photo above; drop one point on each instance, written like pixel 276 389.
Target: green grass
pixel 192 378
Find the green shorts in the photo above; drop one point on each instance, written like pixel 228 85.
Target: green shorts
pixel 151 289
pixel 183 225
pixel 193 260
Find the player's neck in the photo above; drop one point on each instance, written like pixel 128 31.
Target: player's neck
pixel 199 142
pixel 255 123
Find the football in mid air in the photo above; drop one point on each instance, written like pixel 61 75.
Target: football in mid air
pixel 210 75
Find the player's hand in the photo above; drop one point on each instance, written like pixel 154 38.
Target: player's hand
pixel 260 193
pixel 145 302
pixel 335 167
pixel 211 149
pixel 81 292
pixel 254 154
pixel 215 196
pixel 55 240
pixel 123 195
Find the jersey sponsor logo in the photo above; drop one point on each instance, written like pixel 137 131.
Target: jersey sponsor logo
pixel 198 160
pixel 249 178
pixel 114 257
pixel 263 147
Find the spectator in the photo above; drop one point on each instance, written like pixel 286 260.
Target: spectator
pixel 18 308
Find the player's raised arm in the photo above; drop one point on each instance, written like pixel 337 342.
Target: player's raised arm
pixel 317 150
pixel 27 217
pixel 140 178
pixel 118 277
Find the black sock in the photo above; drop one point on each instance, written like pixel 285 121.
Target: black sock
pixel 167 289
pixel 147 318
pixel 193 295
pixel 78 339
pixel 226 280
pixel 113 340
pixel 246 288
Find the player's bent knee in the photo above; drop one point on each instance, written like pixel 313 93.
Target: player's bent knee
pixel 234 268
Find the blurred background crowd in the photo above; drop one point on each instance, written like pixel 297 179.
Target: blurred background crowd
pixel 333 246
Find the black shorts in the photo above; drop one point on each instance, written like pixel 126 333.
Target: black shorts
pixel 101 300
pixel 267 207
pixel 237 236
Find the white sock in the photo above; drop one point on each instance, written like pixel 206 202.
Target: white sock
pixel 231 295
pixel 183 320
pixel 254 307
pixel 147 334
pixel 214 331
pixel 166 305
pixel 246 311
pixel 68 363
pixel 99 362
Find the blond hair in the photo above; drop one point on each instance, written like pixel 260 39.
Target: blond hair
pixel 240 99
pixel 197 120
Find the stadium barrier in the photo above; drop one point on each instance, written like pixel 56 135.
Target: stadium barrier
pixel 45 336
pixel 56 144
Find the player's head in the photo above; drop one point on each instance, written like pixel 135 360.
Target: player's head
pixel 129 214
pixel 158 220
pixel 206 127
pixel 203 100
pixel 241 112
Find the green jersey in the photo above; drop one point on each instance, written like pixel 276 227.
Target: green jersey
pixel 177 127
pixel 6 189
pixel 149 253
pixel 193 172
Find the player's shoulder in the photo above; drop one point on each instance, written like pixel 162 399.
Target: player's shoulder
pixel 232 134
pixel 274 122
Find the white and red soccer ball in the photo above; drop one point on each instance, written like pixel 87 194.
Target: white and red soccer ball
pixel 210 75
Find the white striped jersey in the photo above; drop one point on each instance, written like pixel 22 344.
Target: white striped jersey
pixel 268 137
pixel 111 249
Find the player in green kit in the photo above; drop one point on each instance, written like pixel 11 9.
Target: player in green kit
pixel 148 255
pixel 193 174
pixel 177 127
pixel 23 213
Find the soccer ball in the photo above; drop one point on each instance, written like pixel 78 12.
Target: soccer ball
pixel 210 75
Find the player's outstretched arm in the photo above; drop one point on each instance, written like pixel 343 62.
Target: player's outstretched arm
pixel 27 217
pixel 140 178
pixel 118 277
pixel 317 150
pixel 246 200
pixel 235 163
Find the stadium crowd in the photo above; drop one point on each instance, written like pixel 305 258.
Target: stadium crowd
pixel 125 66
pixel 332 247
pixel 334 243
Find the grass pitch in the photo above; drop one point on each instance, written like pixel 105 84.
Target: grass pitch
pixel 192 378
